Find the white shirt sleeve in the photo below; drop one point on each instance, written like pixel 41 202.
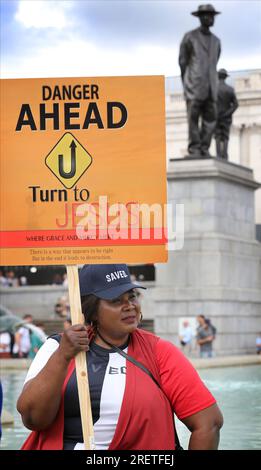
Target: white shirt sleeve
pixel 41 358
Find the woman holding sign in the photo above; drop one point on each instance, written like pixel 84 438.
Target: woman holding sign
pixel 137 380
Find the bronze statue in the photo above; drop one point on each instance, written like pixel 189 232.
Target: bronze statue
pixel 199 54
pixel 227 104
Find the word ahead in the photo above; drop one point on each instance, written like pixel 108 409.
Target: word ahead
pixel 116 116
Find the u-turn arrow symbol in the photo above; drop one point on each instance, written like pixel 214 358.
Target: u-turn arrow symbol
pixel 72 171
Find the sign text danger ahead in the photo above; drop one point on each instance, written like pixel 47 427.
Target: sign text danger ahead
pixel 71 116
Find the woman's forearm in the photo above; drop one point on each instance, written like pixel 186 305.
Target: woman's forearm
pixel 40 399
pixel 208 339
pixel 204 439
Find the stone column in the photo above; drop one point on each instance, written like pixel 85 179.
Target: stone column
pixel 218 271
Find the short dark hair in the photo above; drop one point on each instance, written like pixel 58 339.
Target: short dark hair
pixel 90 305
pixel 39 324
pixel 27 315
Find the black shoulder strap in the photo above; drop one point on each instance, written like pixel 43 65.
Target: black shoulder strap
pixel 56 336
pixel 147 371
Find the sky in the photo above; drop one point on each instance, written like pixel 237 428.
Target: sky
pixel 118 37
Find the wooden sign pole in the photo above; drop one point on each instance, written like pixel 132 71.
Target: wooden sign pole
pixel 80 360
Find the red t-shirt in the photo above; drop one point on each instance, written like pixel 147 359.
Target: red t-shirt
pixel 181 382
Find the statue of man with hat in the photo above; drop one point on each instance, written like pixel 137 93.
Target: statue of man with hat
pixel 199 54
pixel 227 104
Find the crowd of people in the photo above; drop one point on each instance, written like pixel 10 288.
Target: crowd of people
pixel 9 278
pixel 203 336
pixel 24 342
pixel 62 307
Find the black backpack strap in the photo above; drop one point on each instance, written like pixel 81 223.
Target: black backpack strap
pixel 148 372
pixel 56 336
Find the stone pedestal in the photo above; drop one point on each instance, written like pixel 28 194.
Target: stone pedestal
pixel 218 271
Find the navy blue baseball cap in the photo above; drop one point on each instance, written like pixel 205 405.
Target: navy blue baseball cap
pixel 106 281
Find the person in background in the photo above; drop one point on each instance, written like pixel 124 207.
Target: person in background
pixel 186 336
pixel 1 407
pixel 57 279
pixel 205 337
pixel 61 307
pixel 36 341
pixel 67 324
pixel 3 279
pixel 22 339
pixel 65 280
pixel 213 328
pixel 258 343
pixel 137 379
pixel 12 280
pixel 23 281
pixel 5 344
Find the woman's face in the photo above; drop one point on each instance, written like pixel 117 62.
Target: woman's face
pixel 200 320
pixel 119 317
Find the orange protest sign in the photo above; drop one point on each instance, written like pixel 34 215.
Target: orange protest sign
pixel 83 170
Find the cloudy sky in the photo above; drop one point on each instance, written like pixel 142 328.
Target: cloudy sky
pixel 118 37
